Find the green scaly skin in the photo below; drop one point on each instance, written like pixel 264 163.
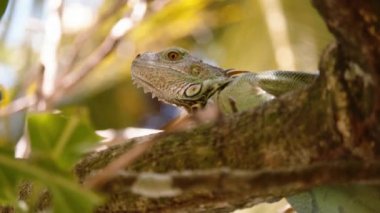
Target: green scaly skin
pixel 176 77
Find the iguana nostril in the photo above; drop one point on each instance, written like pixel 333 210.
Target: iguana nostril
pixel 138 55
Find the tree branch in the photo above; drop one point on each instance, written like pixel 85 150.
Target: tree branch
pixel 279 151
pixel 272 140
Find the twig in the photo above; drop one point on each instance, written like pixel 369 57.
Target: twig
pixel 81 38
pixel 17 105
pixel 72 79
pixel 53 33
pixel 109 44
pixel 25 101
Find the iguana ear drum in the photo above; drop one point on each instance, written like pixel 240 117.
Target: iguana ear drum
pixel 193 90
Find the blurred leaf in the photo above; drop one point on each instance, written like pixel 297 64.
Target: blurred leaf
pixel 59 139
pixel 3 6
pixel 8 181
pixel 67 194
pixel 67 199
pixel 8 193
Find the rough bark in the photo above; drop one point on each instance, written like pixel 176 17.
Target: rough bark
pixel 326 134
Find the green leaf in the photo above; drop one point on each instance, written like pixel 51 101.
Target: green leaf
pixel 3 6
pixel 59 139
pixel 8 186
pixel 67 194
pixel 64 198
pixel 8 180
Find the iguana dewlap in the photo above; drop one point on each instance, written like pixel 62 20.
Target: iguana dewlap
pixel 176 77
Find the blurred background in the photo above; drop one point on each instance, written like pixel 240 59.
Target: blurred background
pixel 74 56
pixel 252 35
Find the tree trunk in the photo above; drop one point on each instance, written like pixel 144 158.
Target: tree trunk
pixel 326 134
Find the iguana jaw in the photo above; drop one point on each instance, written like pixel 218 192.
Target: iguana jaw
pixel 156 80
pixel 146 86
pixel 169 86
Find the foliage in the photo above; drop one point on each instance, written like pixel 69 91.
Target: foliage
pixel 56 144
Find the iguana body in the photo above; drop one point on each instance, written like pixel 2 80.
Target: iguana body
pixel 176 77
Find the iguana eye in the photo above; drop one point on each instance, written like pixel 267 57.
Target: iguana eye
pixel 193 90
pixel 174 55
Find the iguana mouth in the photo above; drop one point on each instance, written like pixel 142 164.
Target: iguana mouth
pixel 142 71
pixel 139 80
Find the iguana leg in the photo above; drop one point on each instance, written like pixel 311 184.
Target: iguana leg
pixel 244 93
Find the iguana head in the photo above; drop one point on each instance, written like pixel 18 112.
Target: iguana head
pixel 174 76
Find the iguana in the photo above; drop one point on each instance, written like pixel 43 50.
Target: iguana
pixel 176 77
